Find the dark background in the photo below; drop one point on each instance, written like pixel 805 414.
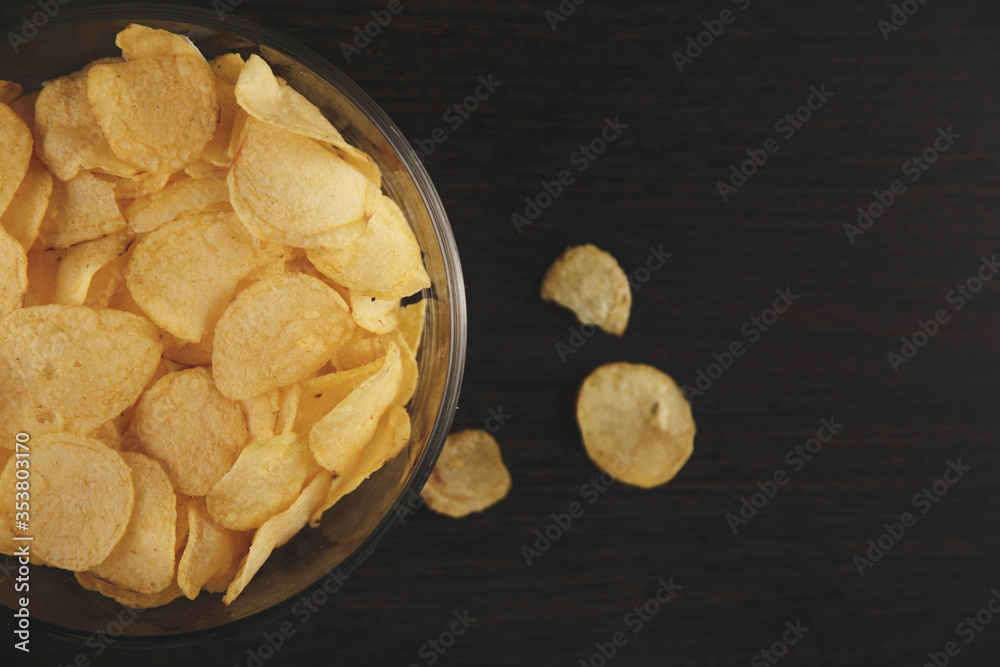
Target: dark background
pixel 826 357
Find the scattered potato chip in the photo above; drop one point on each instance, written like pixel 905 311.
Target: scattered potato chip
pixel 411 323
pixel 184 194
pixel 385 262
pixel 288 189
pixel 81 209
pixel 71 367
pixel 82 261
pixel 265 480
pixel 469 476
pixel 194 431
pixel 389 440
pixel 276 531
pixel 185 271
pixel 143 559
pixel 589 282
pixel 24 214
pixel 376 315
pixel 157 111
pixel 635 422
pixel 13 273
pixel 15 137
pixel 83 497
pixel 209 551
pixel 69 137
pixel 129 598
pixel 338 439
pixel 276 332
pixel 262 96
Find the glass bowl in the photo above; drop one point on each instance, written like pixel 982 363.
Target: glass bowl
pixel 353 528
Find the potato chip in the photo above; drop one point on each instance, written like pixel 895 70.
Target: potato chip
pixel 209 551
pixel 288 189
pixel 13 273
pixel 385 262
pixel 290 398
pixel 137 186
pixel 635 422
pixel 188 354
pixel 24 214
pixel 82 497
pixel 276 531
pixel 228 67
pixel 143 559
pixel 411 323
pixel 15 137
pixel 262 414
pixel 265 480
pixel 262 96
pixel 380 316
pixel 9 91
pixel 140 41
pixel 183 194
pixel 410 370
pixel 69 138
pixel 338 439
pixel 185 271
pixel 217 149
pixel 363 348
pixel 82 261
pixel 589 282
pixel 194 431
pixel 81 209
pixel 469 476
pixel 71 367
pixel 275 332
pixel 107 282
pixel 158 109
pixel 389 440
pixel 126 597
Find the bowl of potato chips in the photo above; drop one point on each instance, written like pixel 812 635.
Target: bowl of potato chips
pixel 232 323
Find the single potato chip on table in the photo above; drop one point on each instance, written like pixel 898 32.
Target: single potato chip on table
pixel 589 282
pixel 635 422
pixel 469 475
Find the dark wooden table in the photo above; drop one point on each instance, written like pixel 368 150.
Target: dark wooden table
pixel 856 292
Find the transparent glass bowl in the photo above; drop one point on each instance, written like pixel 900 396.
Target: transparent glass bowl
pixel 353 528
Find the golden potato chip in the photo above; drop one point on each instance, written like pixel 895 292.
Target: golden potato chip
pixel 321 394
pixel 275 332
pixel 188 354
pixel 82 261
pixel 389 440
pixel 15 137
pixel 363 348
pixel 262 414
pixel 194 431
pixel 380 316
pixel 589 282
pixel 262 96
pixel 288 189
pixel 410 370
pixel 228 67
pixel 107 434
pixel 265 480
pixel 71 367
pixel 143 559
pixel 13 273
pixel 137 186
pixel 290 398
pixel 385 262
pixel 183 194
pixel 411 324
pixel 217 149
pixel 635 422
pixel 81 209
pixel 140 41
pixel 129 598
pixel 107 282
pixel 82 497
pixel 338 439
pixel 23 217
pixel 159 109
pixel 185 271
pixel 9 91
pixel 69 138
pixel 276 531
pixel 469 476
pixel 209 551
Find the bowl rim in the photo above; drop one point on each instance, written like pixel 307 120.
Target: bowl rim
pixel 457 325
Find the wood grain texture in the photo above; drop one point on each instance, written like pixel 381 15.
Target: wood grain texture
pixel 825 357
